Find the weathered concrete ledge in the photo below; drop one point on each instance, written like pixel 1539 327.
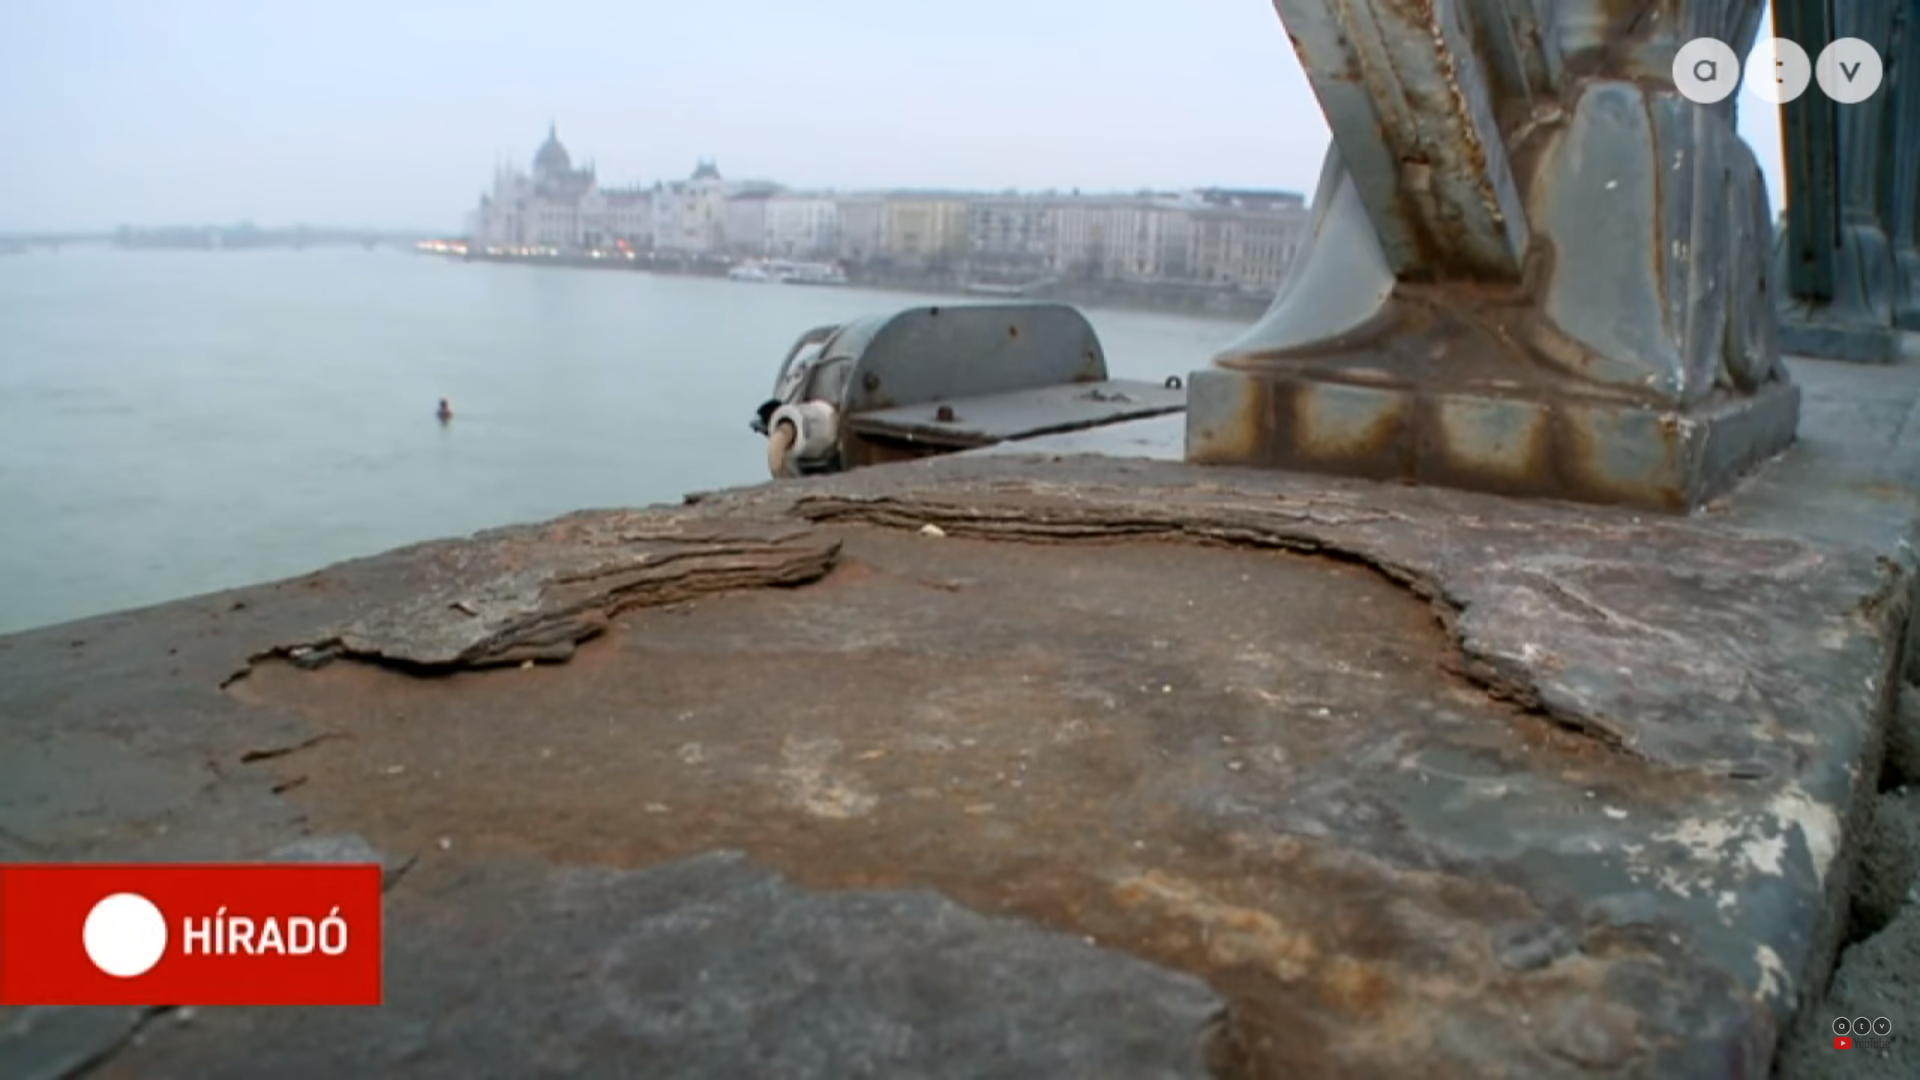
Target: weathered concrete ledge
pixel 1413 780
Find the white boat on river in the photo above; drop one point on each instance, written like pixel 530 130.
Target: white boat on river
pixel 787 272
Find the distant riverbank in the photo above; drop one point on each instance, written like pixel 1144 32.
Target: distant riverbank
pixel 1160 297
pixel 1164 298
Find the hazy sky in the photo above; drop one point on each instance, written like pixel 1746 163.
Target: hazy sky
pixel 393 112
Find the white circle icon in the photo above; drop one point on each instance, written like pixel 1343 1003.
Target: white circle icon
pixel 125 935
pixel 1778 71
pixel 1705 70
pixel 1848 70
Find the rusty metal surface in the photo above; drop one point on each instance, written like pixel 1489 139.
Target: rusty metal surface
pixel 1534 267
pixel 1518 40
pixel 1415 780
pixel 993 418
pixel 1243 786
pixel 1238 791
pixel 1403 89
pixel 483 605
pixel 1385 415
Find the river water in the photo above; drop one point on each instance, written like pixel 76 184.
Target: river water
pixel 173 423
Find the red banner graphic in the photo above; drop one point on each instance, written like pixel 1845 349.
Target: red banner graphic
pixel 190 934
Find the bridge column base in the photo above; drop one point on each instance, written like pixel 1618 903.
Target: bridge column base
pixel 1583 449
pixel 1906 307
pixel 1848 342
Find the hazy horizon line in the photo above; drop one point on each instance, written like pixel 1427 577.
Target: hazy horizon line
pixel 31 232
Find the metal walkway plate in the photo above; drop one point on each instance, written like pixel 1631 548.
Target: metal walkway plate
pixel 1020 414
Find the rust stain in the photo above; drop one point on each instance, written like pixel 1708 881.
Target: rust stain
pixel 1230 935
pixel 1428 124
pixel 1521 462
pixel 1055 779
pixel 1243 434
pixel 1451 343
pixel 1357 988
pixel 1381 446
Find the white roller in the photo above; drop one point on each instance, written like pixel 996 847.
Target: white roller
pixel 815 427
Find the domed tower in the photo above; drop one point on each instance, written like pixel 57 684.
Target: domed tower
pixel 551 163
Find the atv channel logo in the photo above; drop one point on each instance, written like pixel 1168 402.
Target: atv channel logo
pixel 1861 1033
pixel 1777 71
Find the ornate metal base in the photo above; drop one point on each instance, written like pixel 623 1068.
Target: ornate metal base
pixel 1585 449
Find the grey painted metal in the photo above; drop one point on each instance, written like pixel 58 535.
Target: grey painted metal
pixel 1514 38
pixel 1020 414
pixel 1404 89
pixel 1903 192
pixel 1838 261
pixel 1156 438
pixel 938 378
pixel 1808 140
pixel 944 353
pixel 1533 268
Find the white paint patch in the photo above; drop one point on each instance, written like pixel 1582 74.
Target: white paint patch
pixel 1819 826
pixel 1765 853
pixel 1704 838
pixel 1715 845
pixel 812 784
pixel 1773 974
pixel 1674 881
pixel 1748 844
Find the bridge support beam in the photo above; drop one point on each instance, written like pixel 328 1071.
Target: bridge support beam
pixel 1534 267
pixel 1903 212
pixel 1850 189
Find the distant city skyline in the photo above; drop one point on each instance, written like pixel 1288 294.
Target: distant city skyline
pixel 1226 241
pixel 378 115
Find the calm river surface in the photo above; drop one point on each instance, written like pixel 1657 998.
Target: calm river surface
pixel 177 423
